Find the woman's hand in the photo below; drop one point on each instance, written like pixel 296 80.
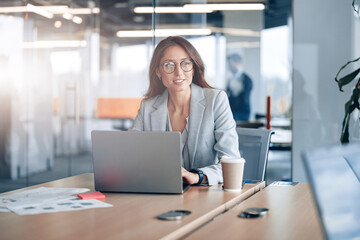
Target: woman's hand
pixel 191 178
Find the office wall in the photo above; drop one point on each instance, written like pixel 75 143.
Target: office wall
pixel 323 42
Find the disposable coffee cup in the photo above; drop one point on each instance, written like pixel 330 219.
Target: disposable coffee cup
pixel 232 170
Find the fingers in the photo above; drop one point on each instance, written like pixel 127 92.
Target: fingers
pixel 189 177
pixel 184 172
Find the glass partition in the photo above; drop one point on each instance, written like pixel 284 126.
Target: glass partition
pixel 318 104
pixel 49 59
pixel 69 67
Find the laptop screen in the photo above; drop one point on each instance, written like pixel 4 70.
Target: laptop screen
pixel 334 176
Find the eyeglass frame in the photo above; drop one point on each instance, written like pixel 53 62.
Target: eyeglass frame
pixel 186 60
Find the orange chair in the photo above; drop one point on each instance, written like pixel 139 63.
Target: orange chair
pixel 121 108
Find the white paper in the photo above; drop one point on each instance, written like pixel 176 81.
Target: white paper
pixel 72 203
pixel 37 196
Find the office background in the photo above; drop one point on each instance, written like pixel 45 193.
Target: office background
pixel 68 67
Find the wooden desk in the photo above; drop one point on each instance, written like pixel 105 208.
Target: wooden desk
pixel 132 217
pixel 292 215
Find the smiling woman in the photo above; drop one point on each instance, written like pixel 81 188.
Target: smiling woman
pixel 176 70
pixel 179 99
pixel 188 52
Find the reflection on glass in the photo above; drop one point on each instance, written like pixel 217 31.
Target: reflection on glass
pixel 336 189
pixel 239 89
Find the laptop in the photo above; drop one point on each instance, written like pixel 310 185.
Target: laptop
pixel 137 162
pixel 334 174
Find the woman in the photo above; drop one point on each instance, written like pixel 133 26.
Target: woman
pixel 179 99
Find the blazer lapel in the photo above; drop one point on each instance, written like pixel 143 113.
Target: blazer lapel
pixel 197 108
pixel 159 116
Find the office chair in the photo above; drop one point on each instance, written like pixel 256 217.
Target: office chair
pixel 254 147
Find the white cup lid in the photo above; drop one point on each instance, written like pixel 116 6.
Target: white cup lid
pixel 227 159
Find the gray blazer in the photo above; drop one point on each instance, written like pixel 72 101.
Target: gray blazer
pixel 212 129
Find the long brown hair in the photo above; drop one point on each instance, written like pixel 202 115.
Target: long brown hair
pixel 156 86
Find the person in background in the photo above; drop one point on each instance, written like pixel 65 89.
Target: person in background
pixel 238 89
pixel 179 99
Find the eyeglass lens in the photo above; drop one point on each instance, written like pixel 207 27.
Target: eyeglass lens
pixel 169 67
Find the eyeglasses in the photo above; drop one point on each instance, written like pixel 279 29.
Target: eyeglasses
pixel 169 67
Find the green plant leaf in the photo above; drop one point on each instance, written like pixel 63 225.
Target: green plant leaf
pixel 347 79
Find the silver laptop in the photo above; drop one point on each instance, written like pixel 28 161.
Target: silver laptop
pixel 334 174
pixel 137 162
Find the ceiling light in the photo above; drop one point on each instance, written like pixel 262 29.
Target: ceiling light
pixel 170 10
pixel 202 8
pixel 144 10
pixel 42 12
pixel 78 11
pixel 96 10
pixel 227 7
pixel 67 16
pixel 77 20
pixel 55 44
pixel 163 32
pixel 57 24
pixel 56 9
pixel 12 9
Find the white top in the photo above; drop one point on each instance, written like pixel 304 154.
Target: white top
pixel 183 140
